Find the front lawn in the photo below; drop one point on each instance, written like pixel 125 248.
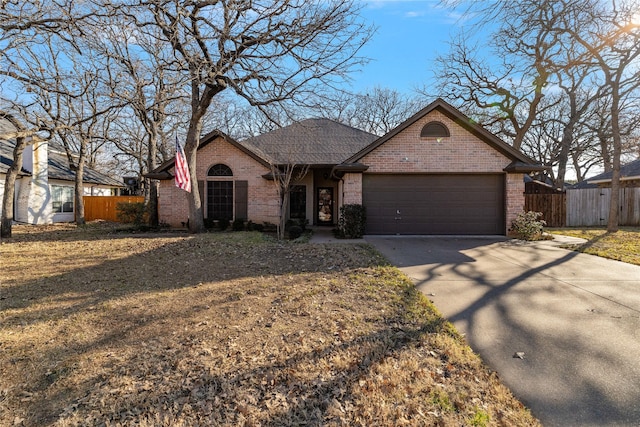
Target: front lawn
pixel 624 245
pixel 227 329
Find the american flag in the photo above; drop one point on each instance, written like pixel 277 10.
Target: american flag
pixel 183 178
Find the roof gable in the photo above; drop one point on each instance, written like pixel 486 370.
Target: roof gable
pixel 162 171
pixel 517 157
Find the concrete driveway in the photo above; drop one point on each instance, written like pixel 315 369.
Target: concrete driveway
pixel 575 317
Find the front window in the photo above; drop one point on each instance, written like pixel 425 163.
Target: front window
pixel 219 193
pixel 220 199
pixel 298 202
pixel 62 197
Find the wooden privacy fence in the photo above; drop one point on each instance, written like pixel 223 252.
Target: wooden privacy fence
pixel 552 206
pixel 590 206
pixel 104 207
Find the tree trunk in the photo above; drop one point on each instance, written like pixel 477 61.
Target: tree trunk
pixel 284 206
pixel 612 224
pixel 567 139
pixel 199 106
pixel 604 152
pixel 78 193
pixel 152 201
pixel 152 204
pixel 578 168
pixel 10 187
pixel 196 215
pixel 563 157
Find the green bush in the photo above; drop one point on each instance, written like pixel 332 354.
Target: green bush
pixel 295 232
pixel 238 225
pixel 352 222
pixel 252 226
pixel 223 224
pixel 269 227
pixel 302 223
pixel 131 213
pixel 528 226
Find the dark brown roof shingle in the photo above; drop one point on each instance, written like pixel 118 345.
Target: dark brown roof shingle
pixel 312 142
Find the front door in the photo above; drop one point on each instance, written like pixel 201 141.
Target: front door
pixel 325 206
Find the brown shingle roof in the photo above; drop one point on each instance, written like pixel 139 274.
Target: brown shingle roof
pixel 312 142
pixel 58 167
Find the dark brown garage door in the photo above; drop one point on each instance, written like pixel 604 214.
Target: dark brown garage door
pixel 434 204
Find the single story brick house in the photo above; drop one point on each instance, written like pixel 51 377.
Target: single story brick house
pixel 436 173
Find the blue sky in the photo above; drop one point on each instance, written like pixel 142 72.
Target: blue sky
pixel 410 34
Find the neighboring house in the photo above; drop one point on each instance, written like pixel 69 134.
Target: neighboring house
pixel 629 177
pixel 436 173
pixel 44 191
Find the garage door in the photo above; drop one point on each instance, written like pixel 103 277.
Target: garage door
pixel 434 204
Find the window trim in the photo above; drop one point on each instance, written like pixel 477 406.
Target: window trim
pixel 219 172
pixel 62 190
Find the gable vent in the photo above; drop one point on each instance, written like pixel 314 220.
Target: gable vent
pixel 434 130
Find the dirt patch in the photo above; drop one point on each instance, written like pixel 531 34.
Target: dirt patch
pixel 99 327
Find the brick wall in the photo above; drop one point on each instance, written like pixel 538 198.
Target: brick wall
pixel 352 188
pixel 263 201
pixel 514 197
pixel 462 152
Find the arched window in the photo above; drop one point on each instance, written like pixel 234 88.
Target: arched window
pixel 219 170
pixel 434 130
pixel 219 192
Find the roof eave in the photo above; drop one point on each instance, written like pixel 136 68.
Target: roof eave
pixel 159 175
pixel 622 178
pixel 520 167
pixel 338 171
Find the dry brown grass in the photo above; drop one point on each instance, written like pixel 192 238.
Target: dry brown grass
pixel 101 328
pixel 623 245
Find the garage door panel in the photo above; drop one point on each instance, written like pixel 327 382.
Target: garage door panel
pixel 434 204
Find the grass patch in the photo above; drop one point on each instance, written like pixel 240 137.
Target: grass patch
pixel 623 245
pixel 232 329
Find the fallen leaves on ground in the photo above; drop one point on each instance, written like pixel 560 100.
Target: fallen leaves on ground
pixel 229 329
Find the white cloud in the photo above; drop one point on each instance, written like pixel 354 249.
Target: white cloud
pixel 414 14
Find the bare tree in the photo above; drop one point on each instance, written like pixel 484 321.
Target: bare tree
pixel 23 138
pixel 505 93
pixel 68 99
pixel 377 110
pixel 56 78
pixel 284 175
pixel 268 53
pixel 611 40
pixel 149 92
